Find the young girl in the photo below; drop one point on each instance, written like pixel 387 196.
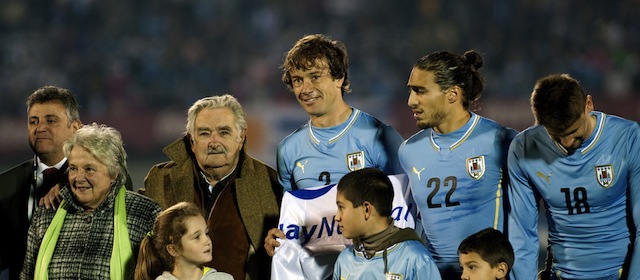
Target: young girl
pixel 177 247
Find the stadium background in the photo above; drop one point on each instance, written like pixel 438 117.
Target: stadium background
pixel 138 65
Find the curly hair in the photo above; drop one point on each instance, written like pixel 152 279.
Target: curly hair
pixel 314 51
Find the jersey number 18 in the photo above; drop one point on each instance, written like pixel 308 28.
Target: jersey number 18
pixel 579 204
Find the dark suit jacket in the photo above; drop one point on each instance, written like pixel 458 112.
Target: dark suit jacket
pixel 14 198
pixel 15 185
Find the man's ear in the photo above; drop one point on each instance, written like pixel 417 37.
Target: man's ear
pixel 589 104
pixel 76 125
pixel 339 82
pixel 243 135
pixel 501 270
pixel 454 93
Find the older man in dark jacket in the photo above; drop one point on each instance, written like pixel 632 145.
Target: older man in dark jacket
pixel 239 195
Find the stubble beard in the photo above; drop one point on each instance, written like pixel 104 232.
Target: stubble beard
pixel 432 121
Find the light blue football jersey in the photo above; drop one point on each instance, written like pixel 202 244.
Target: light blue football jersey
pixel 457 180
pixel 585 195
pixel 312 156
pixel 407 260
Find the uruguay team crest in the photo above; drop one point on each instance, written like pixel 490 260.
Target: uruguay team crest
pixel 355 161
pixel 604 174
pixel 475 167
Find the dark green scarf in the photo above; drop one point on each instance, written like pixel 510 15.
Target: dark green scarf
pixel 381 241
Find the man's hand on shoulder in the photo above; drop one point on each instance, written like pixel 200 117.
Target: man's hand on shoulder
pixel 52 199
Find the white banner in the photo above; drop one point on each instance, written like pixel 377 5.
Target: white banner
pixel 313 238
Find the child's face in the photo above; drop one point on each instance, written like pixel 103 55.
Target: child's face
pixel 351 220
pixel 196 244
pixel 475 268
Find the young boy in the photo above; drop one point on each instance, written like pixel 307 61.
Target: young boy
pixel 380 250
pixel 485 255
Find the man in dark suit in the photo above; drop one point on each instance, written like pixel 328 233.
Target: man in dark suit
pixel 53 117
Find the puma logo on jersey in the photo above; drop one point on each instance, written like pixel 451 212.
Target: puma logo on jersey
pixel 545 177
pixel 301 165
pixel 414 170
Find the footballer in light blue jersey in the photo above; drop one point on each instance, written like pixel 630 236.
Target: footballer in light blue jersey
pixel 456 163
pixel 458 180
pixel 312 156
pixel 585 194
pixel 338 139
pixel 585 167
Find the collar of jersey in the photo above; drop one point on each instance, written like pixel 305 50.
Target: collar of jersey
pixel 473 121
pixel 600 120
pixel 593 139
pixel 352 119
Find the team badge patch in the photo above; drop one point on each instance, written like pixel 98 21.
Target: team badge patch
pixel 393 276
pixel 355 161
pixel 475 167
pixel 604 174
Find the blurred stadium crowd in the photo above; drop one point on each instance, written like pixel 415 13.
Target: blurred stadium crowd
pixel 138 65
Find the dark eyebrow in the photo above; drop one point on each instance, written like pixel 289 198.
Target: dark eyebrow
pixel 416 87
pixel 46 116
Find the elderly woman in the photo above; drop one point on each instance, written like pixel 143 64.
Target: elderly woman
pixel 99 225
